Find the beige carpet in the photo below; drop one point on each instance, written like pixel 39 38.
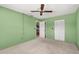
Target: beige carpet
pixel 42 46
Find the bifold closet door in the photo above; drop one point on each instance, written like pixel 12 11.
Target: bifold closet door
pixel 59 30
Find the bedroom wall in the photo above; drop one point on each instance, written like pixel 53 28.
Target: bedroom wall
pixel 15 28
pixel 70 27
pixel 78 28
pixel 49 28
pixel 29 27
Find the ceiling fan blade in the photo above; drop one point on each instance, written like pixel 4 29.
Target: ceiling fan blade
pixel 42 7
pixel 47 11
pixel 35 11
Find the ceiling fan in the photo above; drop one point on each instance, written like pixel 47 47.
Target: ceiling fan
pixel 42 10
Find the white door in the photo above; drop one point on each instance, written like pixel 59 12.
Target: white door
pixel 42 29
pixel 59 30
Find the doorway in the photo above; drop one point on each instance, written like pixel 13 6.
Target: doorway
pixel 59 30
pixel 40 29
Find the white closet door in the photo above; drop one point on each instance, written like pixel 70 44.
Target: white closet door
pixel 59 30
pixel 42 29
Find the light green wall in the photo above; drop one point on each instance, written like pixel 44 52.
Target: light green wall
pixel 29 27
pixel 78 28
pixel 49 29
pixel 70 27
pixel 15 28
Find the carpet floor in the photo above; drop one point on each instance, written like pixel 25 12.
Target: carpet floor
pixel 42 46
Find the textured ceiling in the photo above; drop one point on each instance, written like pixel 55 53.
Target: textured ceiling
pixel 59 9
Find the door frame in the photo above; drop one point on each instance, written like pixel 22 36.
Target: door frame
pixel 42 33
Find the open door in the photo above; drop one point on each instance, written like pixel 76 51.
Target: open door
pixel 37 29
pixel 40 29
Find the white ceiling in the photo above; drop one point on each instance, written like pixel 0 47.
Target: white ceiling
pixel 59 9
